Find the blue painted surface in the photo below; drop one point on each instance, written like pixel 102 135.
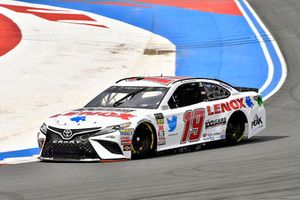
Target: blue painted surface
pixel 19 153
pixel 274 56
pixel 208 44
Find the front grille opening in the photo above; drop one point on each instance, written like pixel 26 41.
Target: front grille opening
pixel 79 149
pixel 111 147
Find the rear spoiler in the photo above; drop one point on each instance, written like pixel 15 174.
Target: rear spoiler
pixel 246 89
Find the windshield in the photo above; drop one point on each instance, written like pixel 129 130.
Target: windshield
pixel 129 97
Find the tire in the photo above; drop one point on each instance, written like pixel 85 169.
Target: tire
pixel 235 130
pixel 143 141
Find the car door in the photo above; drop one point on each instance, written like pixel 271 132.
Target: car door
pixel 216 116
pixel 186 115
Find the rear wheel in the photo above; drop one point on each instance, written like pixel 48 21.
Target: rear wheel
pixel 143 141
pixel 235 129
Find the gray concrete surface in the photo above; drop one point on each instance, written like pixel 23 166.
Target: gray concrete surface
pixel 265 167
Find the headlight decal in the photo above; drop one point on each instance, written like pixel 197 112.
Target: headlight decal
pixel 114 128
pixel 43 128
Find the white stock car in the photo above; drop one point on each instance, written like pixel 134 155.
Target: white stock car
pixel 139 116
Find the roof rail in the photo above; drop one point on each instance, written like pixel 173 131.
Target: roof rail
pixel 213 79
pixel 134 77
pixel 223 82
pixel 185 79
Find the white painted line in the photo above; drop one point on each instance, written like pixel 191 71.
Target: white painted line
pixel 263 46
pixel 277 49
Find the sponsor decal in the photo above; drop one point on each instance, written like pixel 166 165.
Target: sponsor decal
pixel 161 135
pixel 160 128
pixel 219 135
pixel 226 106
pixel 257 122
pixel 125 141
pixel 67 133
pixel 66 141
pixel 126 136
pixel 249 102
pixel 159 118
pixel 215 122
pixel 124 116
pixel 172 123
pixel 78 119
pixel 205 137
pixel 208 136
pixel 211 136
pixel 126 147
pixel 127 131
pixel 161 138
pixel 259 100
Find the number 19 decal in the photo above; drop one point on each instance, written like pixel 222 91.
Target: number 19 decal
pixel 193 124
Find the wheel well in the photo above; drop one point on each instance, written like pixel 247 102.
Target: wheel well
pixel 145 126
pixel 239 116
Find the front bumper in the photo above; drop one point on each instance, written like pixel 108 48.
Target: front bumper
pixel 85 148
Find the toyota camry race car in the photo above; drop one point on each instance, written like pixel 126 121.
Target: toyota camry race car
pixel 139 116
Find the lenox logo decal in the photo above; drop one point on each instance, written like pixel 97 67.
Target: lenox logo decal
pixel 225 107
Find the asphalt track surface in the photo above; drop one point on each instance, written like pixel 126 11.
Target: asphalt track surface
pixel 265 167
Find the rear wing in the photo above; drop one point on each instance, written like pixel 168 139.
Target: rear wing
pixel 246 89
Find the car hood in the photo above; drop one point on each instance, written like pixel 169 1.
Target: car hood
pixel 93 117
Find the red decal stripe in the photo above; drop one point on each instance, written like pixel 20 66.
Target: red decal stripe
pixel 10 35
pixel 164 79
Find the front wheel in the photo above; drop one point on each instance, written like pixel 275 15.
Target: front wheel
pixel 235 131
pixel 143 141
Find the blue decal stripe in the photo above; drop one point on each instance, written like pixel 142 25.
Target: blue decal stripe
pixel 19 153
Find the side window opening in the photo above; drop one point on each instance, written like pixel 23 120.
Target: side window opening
pixel 187 94
pixel 215 92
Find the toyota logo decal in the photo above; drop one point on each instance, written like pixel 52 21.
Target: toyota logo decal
pixel 67 133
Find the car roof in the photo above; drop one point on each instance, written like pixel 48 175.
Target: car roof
pixel 162 81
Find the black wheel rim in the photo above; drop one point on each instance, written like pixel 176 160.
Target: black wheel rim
pixel 235 130
pixel 141 142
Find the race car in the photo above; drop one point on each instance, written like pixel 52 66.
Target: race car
pixel 140 116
